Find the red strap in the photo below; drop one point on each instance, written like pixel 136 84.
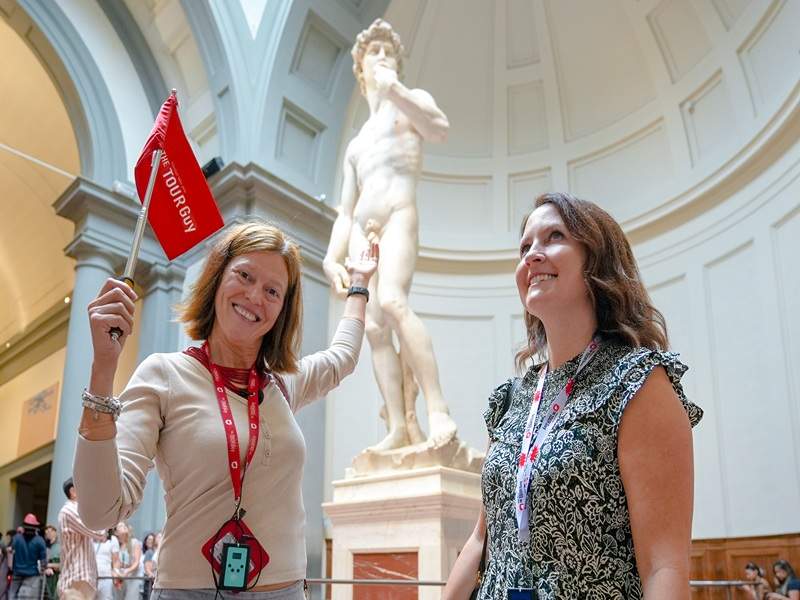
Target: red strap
pixel 237 470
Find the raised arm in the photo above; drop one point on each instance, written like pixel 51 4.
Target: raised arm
pixel 110 474
pixel 112 459
pixel 322 371
pixel 333 264
pixel 418 105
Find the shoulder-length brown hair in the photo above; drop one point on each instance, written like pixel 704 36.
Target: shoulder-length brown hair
pixel 624 311
pixel 280 346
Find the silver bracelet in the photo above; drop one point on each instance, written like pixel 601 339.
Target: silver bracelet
pixel 101 404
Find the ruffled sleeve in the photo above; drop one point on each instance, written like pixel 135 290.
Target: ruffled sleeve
pixel 635 369
pixel 499 401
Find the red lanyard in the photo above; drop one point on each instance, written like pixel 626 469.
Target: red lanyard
pixel 234 456
pixel 531 445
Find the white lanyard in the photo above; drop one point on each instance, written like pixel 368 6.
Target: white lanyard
pixel 531 446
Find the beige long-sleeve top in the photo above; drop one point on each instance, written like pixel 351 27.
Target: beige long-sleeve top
pixel 171 414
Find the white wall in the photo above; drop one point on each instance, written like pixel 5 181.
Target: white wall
pixel 729 292
pixel 682 118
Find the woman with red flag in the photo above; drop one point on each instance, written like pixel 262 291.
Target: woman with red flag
pixel 235 516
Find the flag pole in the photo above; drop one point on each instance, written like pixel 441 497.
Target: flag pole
pixel 142 222
pixel 130 267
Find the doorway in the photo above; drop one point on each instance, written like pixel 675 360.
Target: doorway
pixel 31 490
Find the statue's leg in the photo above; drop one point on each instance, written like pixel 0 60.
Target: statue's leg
pixel 385 361
pixel 398 258
pixel 388 375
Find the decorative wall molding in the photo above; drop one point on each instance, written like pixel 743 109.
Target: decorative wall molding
pixel 298 141
pixel 634 170
pixel 138 50
pixel 729 10
pixel 680 35
pixel 766 72
pixel 588 100
pixel 771 142
pixel 251 190
pixel 43 336
pixel 522 43
pixel 523 189
pixel 53 38
pixel 319 53
pixel 527 118
pixel 709 119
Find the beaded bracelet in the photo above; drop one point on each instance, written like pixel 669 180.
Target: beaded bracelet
pixel 101 404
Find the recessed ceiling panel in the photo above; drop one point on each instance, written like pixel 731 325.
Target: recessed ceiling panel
pixel 627 178
pixel 457 69
pixel 522 43
pixel 602 75
pixel 680 36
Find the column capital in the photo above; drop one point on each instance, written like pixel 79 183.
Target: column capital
pixel 105 220
pixel 164 277
pixel 251 190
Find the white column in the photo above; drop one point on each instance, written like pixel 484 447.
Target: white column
pixel 93 267
pixel 158 333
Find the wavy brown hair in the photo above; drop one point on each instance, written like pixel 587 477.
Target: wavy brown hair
pixel 279 347
pixel 625 314
pixel 379 30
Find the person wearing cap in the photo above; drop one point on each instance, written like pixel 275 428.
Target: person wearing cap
pixel 30 553
pixel 78 562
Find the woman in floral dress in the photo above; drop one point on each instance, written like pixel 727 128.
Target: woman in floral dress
pixel 588 480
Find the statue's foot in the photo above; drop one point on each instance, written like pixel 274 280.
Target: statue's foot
pixel 443 428
pixel 396 438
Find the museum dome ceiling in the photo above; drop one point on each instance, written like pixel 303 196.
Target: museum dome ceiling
pixel 641 106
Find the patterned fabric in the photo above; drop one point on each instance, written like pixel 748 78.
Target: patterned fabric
pixel 78 562
pixel 581 544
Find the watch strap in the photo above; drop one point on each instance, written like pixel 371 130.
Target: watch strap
pixel 354 289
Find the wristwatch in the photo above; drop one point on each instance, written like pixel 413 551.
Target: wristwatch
pixel 354 289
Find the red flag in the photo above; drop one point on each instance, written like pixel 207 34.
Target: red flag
pixel 182 211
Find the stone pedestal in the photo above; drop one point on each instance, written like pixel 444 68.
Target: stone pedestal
pixel 379 521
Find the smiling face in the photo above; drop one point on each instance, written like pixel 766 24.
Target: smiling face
pixel 549 275
pixel 250 297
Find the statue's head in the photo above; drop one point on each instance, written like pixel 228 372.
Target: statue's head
pixel 378 44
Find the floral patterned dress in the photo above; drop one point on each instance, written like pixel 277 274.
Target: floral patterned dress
pixel 580 544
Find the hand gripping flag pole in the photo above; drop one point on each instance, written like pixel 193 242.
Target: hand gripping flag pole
pixel 138 234
pixel 176 200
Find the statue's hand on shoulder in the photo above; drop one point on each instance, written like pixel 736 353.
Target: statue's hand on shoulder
pixel 338 276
